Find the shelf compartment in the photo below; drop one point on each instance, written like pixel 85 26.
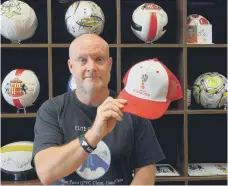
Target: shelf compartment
pixel 218 18
pixel 60 33
pixel 207 132
pixel 173 32
pixel 16 129
pixel 202 60
pixel 40 36
pixel 31 59
pixel 171 127
pixel 172 58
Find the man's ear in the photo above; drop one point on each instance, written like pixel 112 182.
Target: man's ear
pixel 110 63
pixel 70 66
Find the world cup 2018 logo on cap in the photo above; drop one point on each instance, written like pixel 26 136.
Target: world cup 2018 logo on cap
pixel 144 78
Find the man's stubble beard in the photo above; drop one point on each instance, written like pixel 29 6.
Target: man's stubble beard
pixel 97 86
pixel 90 89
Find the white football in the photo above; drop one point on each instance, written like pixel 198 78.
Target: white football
pixel 20 88
pixel 196 19
pixel 16 161
pixel 148 21
pixel 18 21
pixel 84 17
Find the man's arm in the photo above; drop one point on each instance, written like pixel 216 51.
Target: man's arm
pixel 57 162
pixel 144 175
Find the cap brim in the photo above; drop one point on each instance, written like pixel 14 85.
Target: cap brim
pixel 142 107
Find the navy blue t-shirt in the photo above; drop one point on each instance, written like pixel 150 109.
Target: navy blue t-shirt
pixel 131 144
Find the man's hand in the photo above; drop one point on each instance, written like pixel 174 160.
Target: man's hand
pixel 107 115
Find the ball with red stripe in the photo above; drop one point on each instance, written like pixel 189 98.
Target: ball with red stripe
pixel 148 21
pixel 20 88
pixel 196 19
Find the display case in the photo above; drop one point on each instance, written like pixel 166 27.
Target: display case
pixel 186 134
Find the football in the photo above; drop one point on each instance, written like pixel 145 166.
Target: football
pixel 16 161
pixel 84 17
pixel 196 19
pixel 210 90
pixel 20 88
pixel 18 21
pixel 148 22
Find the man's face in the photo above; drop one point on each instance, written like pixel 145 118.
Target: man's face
pixel 90 64
pixel 190 33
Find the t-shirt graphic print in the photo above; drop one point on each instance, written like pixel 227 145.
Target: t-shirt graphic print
pixel 96 164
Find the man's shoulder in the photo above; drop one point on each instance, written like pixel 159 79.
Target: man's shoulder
pixel 57 101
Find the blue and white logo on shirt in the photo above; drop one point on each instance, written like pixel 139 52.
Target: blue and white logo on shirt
pixel 96 164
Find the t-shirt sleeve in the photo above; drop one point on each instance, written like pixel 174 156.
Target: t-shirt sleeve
pixel 147 149
pixel 47 130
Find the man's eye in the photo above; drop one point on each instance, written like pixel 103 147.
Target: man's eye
pixel 81 59
pixel 100 59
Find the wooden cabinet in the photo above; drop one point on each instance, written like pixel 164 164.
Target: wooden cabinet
pixel 186 134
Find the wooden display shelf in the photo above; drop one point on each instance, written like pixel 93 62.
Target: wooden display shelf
pixel 170 178
pixel 28 115
pixel 206 45
pixel 152 45
pixel 31 115
pixel 206 178
pixel 169 112
pixel 24 45
pixel 158 179
pixel 193 178
pixel 66 45
pixel 30 182
pixel 211 111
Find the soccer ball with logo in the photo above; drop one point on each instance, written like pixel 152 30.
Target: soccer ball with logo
pixel 18 21
pixel 148 21
pixel 196 19
pixel 84 17
pixel 20 88
pixel 210 90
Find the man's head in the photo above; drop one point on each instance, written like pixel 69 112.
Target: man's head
pixel 90 63
pixel 190 32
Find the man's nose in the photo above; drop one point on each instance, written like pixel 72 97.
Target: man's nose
pixel 91 65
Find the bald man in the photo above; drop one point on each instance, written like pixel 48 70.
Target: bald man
pixel 83 137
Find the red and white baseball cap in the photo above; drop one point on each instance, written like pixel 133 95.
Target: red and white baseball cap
pixel 150 87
